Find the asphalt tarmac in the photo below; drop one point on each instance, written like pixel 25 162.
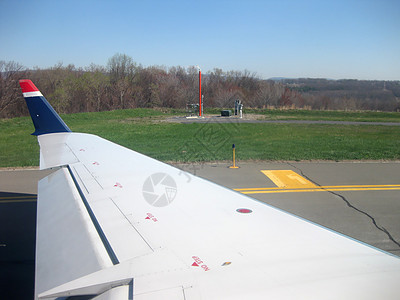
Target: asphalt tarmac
pixel 358 199
pixel 18 193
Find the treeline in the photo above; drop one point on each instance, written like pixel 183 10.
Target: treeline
pixel 123 83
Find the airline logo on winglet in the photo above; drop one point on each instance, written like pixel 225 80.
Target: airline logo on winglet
pixel 44 117
pixel 29 89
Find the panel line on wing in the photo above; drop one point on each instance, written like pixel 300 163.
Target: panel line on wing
pixel 70 149
pixel 132 225
pixel 80 179
pixel 96 224
pixel 94 178
pixel 91 184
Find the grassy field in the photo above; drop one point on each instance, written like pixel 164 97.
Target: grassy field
pixel 146 131
pixel 318 115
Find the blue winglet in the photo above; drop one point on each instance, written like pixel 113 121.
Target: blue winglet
pixel 44 117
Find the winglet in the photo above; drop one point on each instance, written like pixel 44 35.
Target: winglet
pixel 44 117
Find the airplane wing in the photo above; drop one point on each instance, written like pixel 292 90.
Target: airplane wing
pixel 115 224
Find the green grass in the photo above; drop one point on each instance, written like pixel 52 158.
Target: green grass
pixel 318 115
pixel 315 115
pixel 144 130
pixel 326 142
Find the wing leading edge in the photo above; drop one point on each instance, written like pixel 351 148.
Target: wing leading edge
pixel 156 232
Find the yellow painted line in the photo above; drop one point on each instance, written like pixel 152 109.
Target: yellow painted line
pixel 18 197
pixel 17 201
pixel 288 179
pixel 324 187
pixel 254 189
pixel 318 190
pixel 362 186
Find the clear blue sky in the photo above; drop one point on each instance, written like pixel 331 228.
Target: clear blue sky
pixel 331 39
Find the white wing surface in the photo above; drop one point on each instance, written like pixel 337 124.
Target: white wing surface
pixel 115 224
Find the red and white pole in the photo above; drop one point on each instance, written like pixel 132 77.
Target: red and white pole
pixel 200 93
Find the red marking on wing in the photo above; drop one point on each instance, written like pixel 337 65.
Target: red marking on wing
pixel 151 217
pixel 27 86
pixel 244 210
pixel 199 263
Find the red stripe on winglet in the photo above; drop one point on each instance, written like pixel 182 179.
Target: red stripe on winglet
pixel 27 86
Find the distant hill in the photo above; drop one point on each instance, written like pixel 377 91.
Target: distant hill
pixel 322 84
pixel 278 78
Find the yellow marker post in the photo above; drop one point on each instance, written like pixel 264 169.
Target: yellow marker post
pixel 234 161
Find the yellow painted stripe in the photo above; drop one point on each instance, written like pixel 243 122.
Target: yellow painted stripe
pixel 18 201
pixel 18 197
pixel 321 189
pixel 255 189
pixel 288 179
pixel 324 187
pixel 362 185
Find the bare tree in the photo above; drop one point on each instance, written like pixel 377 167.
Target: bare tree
pixel 122 70
pixel 97 83
pixel 267 94
pixel 10 93
pixel 172 93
